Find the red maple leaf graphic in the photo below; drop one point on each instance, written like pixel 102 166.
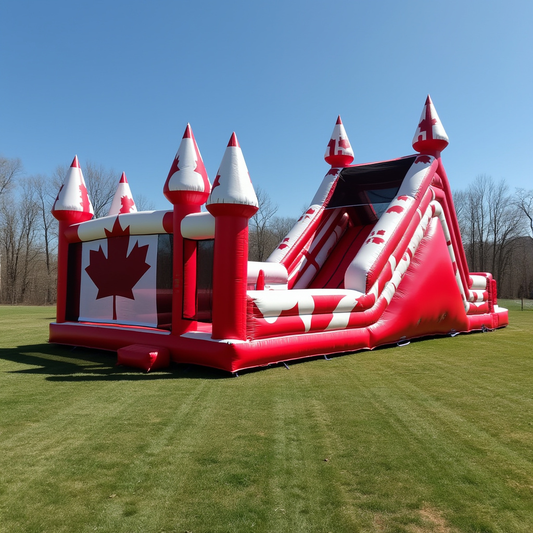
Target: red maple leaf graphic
pixel 126 203
pixel 85 203
pixel 331 146
pixel 117 274
pixel 395 209
pixel 59 193
pixel 200 167
pixel 216 183
pixel 343 143
pixel 426 123
pixel 422 159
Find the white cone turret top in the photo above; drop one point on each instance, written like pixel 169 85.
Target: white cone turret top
pixel 187 173
pixel 123 200
pixel 430 136
pixel 232 185
pixel 339 152
pixel 72 202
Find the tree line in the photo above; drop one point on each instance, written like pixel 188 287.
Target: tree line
pixel 28 231
pixel 497 231
pixel 496 226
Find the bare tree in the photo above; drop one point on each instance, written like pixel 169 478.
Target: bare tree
pixel 266 229
pixel 44 195
pixel 503 226
pixel 524 203
pixel 142 203
pixel 9 170
pixel 279 228
pixel 18 242
pixel 490 225
pixel 260 236
pixel 28 231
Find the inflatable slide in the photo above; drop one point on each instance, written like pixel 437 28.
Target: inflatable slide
pixel 376 259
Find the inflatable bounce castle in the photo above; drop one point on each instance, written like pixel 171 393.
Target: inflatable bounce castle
pixel 376 259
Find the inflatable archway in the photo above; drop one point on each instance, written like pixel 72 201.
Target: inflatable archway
pixel 376 259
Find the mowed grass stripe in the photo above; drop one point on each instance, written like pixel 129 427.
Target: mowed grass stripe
pixel 161 467
pixel 433 437
pixel 97 439
pixel 436 440
pixel 303 480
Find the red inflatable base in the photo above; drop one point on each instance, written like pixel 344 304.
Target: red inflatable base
pixel 232 356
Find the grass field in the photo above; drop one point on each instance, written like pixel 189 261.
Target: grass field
pixel 436 436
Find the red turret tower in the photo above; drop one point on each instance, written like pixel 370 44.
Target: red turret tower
pixel 123 200
pixel 187 188
pixel 72 206
pixel 232 202
pixel 339 152
pixel 430 136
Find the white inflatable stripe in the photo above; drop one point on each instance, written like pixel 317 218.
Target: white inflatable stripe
pixel 198 226
pixel 143 223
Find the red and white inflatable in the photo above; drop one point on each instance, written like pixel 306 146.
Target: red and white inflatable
pixel 376 259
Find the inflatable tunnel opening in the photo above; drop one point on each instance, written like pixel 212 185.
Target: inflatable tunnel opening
pixel 370 188
pixel 360 197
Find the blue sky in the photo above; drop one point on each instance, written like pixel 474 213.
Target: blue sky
pixel 116 82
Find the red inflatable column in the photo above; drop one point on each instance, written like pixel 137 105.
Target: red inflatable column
pixel 232 202
pixel 72 206
pixel 187 188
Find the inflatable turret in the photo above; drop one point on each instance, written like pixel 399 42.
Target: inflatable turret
pixel 232 202
pixel 72 203
pixel 187 188
pixel 430 136
pixel 123 200
pixel 71 206
pixel 339 152
pixel 187 182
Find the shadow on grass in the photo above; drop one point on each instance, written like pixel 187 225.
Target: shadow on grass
pixel 69 364
pixel 74 364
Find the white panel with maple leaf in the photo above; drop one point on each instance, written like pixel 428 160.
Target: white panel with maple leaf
pixel 118 280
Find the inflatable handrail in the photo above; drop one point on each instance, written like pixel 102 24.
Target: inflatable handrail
pixel 275 275
pixel 298 237
pixel 483 281
pixel 329 233
pixel 455 232
pixel 391 228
